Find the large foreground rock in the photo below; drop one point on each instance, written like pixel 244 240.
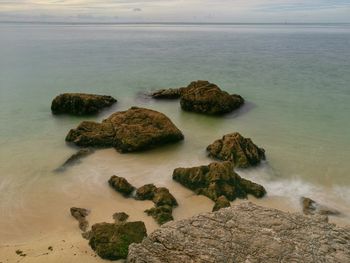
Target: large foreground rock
pixel 132 130
pixel 217 179
pixel 80 103
pixel 233 147
pixel 245 233
pixel 205 97
pixel 112 240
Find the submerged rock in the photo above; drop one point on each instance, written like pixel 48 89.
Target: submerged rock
pixel 121 185
pixel 233 147
pixel 80 214
pixel 221 202
pixel 80 103
pixel 310 207
pixel 205 97
pixel 162 214
pixel 120 217
pixel 127 131
pixel 245 233
pixel 111 241
pixel 75 158
pixel 167 94
pixel 217 179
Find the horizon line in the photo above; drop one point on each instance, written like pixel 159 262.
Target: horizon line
pixel 167 23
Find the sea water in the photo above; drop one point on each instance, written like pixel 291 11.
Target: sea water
pixel 295 79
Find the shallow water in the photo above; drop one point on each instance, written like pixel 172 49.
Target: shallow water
pixel 295 80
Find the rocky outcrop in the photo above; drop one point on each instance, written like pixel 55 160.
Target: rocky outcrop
pixel 127 131
pixel 221 202
pixel 242 234
pixel 217 179
pixel 111 240
pixel 310 207
pixel 121 185
pixel 80 103
pixel 163 200
pixel 205 97
pixel 233 147
pixel 80 214
pixel 168 94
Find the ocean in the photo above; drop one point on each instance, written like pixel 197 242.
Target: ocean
pixel 295 79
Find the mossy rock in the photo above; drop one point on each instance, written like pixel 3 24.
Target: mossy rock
pixel 111 241
pixel 161 214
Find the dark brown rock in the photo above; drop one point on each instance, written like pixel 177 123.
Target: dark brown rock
pixel 120 217
pixel 121 185
pixel 146 192
pixel 310 207
pixel 80 214
pixel 221 202
pixel 233 147
pixel 162 196
pixel 205 97
pixel 167 94
pixel 133 130
pixel 80 103
pixel 217 179
pixel 162 214
pixel 111 241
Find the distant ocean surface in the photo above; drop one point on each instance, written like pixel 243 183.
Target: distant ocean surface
pixel 295 79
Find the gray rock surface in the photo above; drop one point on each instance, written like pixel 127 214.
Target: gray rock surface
pixel 245 233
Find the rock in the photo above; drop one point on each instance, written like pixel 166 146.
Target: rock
pixel 111 241
pixel 162 196
pixel 233 147
pixel 120 217
pixel 164 202
pixel 121 185
pixel 217 179
pixel 245 233
pixel 133 130
pixel 204 97
pixel 310 207
pixel 146 192
pixel 80 214
pixel 162 214
pixel 221 202
pixel 80 103
pixel 167 94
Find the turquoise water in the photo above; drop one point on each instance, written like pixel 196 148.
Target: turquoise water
pixel 295 78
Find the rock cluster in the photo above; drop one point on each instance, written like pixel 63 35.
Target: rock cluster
pixel 163 200
pixel 233 147
pixel 127 131
pixel 217 179
pixel 203 97
pixel 80 214
pixel 242 234
pixel 80 103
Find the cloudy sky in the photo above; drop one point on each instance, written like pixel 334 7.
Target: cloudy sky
pixel 176 10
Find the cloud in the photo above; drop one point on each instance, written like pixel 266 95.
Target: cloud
pixel 182 10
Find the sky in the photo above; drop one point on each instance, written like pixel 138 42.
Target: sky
pixel 239 11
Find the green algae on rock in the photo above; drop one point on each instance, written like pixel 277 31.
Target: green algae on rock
pixel 136 129
pixel 217 179
pixel 111 240
pixel 233 147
